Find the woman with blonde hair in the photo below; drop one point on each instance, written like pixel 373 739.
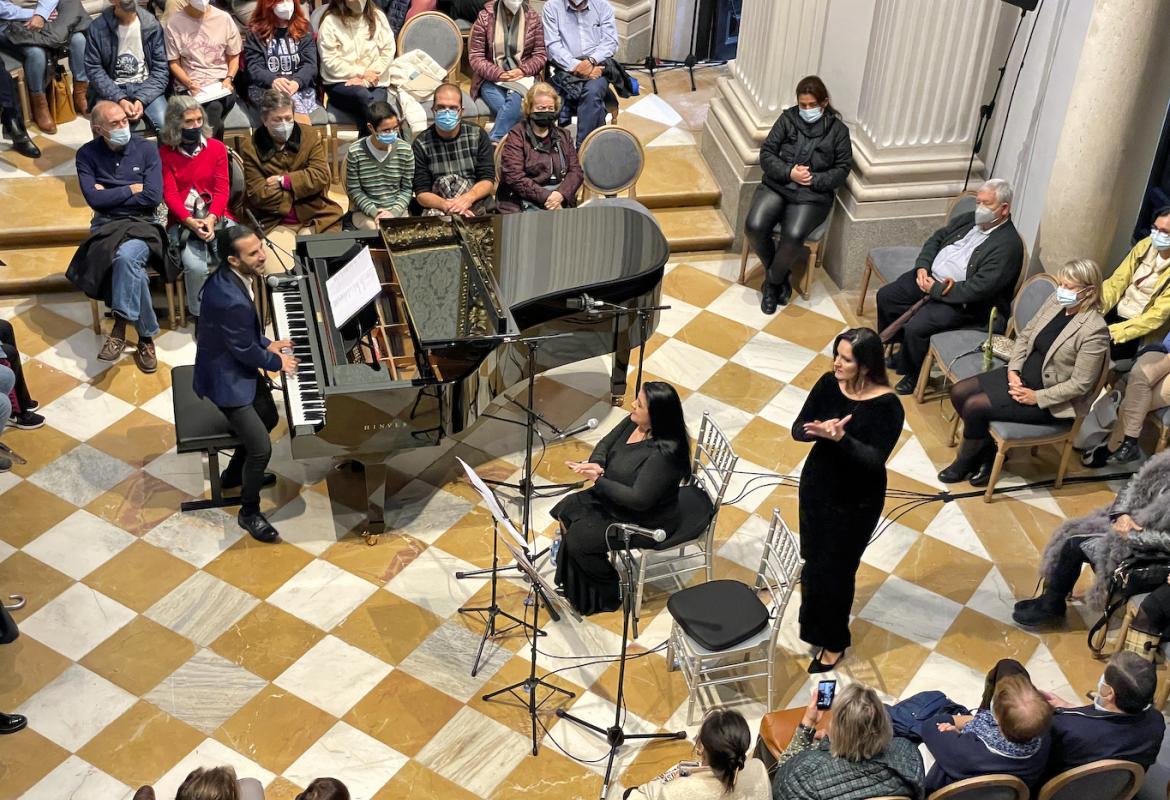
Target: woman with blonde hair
pixel 1055 365
pixel 858 758
pixel 539 169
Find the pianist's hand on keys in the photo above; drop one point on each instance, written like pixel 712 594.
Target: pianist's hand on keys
pixel 283 348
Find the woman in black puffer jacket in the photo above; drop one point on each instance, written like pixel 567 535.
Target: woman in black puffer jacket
pixel 805 159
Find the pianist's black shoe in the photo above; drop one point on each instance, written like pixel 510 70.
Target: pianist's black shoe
pixel 229 482
pixel 258 526
pixel 11 723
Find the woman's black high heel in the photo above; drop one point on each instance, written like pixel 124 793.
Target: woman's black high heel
pixel 816 666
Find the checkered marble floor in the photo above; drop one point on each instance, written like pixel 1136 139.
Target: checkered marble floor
pixel 154 641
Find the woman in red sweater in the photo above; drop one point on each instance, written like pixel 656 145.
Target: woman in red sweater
pixel 196 189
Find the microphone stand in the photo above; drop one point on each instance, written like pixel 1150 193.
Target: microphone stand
pixel 644 315
pixel 614 735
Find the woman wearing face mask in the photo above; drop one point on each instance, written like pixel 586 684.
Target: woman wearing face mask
pixel 356 49
pixel 379 170
pixel 196 189
pixel 1054 367
pixel 805 159
pixel 539 168
pixel 505 51
pixel 1136 297
pixel 280 53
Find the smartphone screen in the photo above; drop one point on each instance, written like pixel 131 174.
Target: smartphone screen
pixel 825 692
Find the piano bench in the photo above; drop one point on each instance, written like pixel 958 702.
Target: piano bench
pixel 200 427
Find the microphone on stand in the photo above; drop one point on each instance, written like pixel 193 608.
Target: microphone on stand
pixel 273 246
pixel 571 432
pixel 585 303
pixel 283 281
pixel 657 534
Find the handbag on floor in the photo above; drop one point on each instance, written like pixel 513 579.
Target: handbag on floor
pixel 61 101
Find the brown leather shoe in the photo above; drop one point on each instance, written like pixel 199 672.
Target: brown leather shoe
pixel 112 349
pixel 144 355
pixel 41 113
pixel 80 99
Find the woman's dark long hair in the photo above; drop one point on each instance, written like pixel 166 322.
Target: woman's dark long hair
pixel 868 352
pixel 667 425
pixel 325 789
pixel 812 84
pixel 725 737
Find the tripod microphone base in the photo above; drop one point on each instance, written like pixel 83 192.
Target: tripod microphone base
pixel 615 737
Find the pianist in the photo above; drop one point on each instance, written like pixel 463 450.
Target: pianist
pixel 231 357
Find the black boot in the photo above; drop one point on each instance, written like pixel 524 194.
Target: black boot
pixel 965 463
pixel 768 301
pixel 14 129
pixel 784 292
pixel 11 723
pixel 983 464
pixel 1046 609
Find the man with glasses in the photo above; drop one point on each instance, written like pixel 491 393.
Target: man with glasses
pixel 454 164
pixel 579 36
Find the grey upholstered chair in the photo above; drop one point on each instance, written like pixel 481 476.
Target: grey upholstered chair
pixel 985 787
pixel 435 34
pixel 612 160
pixel 1108 779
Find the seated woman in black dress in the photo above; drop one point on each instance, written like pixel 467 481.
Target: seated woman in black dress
pixel 636 471
pixel 1055 365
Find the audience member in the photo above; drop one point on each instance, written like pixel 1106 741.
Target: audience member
pixel 1134 298
pixel 126 60
pixel 280 53
pixel 121 180
pixel 1008 734
pixel 20 23
pixel 1151 624
pixel 724 769
pixel 196 189
pixel 356 48
pixel 454 167
pixel 324 789
pixel 22 414
pixel 1137 520
pixel 1055 365
pixel 203 47
pixel 396 12
pixel 461 9
pixel 858 759
pixel 7 382
pixel 1144 389
pixel 286 172
pixel 214 783
pixel 506 53
pixel 805 159
pixel 968 267
pixel 1119 723
pixel 12 118
pixel 538 167
pixel 580 36
pixel 379 170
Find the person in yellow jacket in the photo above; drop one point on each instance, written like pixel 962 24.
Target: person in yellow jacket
pixel 1136 297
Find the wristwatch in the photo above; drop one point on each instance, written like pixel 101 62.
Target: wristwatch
pixel 592 60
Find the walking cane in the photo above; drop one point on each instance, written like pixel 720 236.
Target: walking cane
pixel 894 327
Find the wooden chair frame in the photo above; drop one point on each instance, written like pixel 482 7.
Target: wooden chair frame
pixel 1162 689
pixel 172 314
pixel 958 789
pixel 631 186
pixel 816 257
pixel 1064 780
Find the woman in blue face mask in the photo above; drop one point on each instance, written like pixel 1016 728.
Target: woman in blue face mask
pixel 805 159
pixel 379 170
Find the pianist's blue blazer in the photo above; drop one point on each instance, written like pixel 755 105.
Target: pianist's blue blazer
pixel 230 349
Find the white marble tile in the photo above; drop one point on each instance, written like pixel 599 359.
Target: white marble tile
pixel 79 544
pixel 423 512
pixel 726 268
pixel 675 137
pixel 76 621
pixel 474 751
pixel 655 109
pixel 499 438
pixel 1040 498
pixel 6 550
pixel 322 594
pixel 683 364
pixel 1047 675
pixel 201 608
pixel 730 419
pixel 309 521
pixel 71 306
pixel 909 610
pixel 77 355
pixel 740 303
pixel 675 318
pixel 912 461
pixel 81 475
pixel 333 675
pixel 823 299
pixel 75 706
pixel 206 691
pixel 176 348
pixel 591 748
pixel 961 683
pixel 8 480
pixel 888 550
pixel 565 644
pixel 162 405
pixel 950 525
pixel 994 598
pixel 197 537
pixel 76 779
pixel 362 763
pixel 85 411
pixel 590 376
pixel 209 752
pixel 444 660
pixel 429 581
pixel 304 472
pixel 775 357
pixel 785 406
pixel 185 472
pixel 746 546
pixel 758 483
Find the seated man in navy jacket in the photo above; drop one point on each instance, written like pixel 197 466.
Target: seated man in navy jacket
pixel 1120 723
pixel 231 356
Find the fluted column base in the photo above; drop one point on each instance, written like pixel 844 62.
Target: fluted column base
pixel 633 26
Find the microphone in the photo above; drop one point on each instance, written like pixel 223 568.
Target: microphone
pixel 656 534
pixel 589 425
pixel 585 303
pixel 283 281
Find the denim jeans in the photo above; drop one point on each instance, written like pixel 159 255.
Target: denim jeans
pixel 131 287
pixel 197 257
pixel 36 61
pixel 156 111
pixel 505 104
pixel 7 381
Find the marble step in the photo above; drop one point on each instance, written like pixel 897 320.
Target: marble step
pixel 42 211
pixel 676 177
pixel 694 229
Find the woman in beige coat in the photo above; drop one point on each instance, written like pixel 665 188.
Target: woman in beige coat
pixel 1055 365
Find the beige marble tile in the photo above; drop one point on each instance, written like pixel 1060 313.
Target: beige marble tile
pixel 274 728
pixel 141 745
pixel 266 640
pixel 139 655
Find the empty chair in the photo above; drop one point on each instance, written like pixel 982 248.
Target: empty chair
pixel 612 160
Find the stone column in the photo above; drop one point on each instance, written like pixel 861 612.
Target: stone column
pixel 1103 157
pixel 779 43
pixel 633 25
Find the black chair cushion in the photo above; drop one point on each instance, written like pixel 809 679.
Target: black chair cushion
pixel 718 614
pixel 199 424
pixel 695 510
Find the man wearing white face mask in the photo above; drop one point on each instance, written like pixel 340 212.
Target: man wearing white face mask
pixel 203 48
pixel 979 255
pixel 1135 298
pixel 280 53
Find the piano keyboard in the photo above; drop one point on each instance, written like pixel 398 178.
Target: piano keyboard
pixel 306 403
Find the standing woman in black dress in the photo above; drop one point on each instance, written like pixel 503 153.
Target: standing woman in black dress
pixel 636 471
pixel 854 419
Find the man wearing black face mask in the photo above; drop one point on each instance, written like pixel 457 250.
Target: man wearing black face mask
pixel 126 61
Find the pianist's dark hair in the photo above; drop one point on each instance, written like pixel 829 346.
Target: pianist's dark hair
pixel 226 238
pixel 667 425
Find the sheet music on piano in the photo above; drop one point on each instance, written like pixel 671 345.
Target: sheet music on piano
pixel 353 287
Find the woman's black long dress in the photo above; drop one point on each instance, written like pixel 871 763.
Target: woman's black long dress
pixel 842 491
pixel 640 486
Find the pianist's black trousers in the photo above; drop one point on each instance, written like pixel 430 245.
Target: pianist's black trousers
pixel 252 424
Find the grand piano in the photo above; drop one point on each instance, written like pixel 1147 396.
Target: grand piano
pixel 437 345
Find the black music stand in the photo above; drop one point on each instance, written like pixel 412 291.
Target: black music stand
pixel 614 735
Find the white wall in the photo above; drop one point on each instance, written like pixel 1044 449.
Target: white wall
pixel 843 56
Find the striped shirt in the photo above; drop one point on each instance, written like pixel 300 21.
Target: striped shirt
pixel 373 185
